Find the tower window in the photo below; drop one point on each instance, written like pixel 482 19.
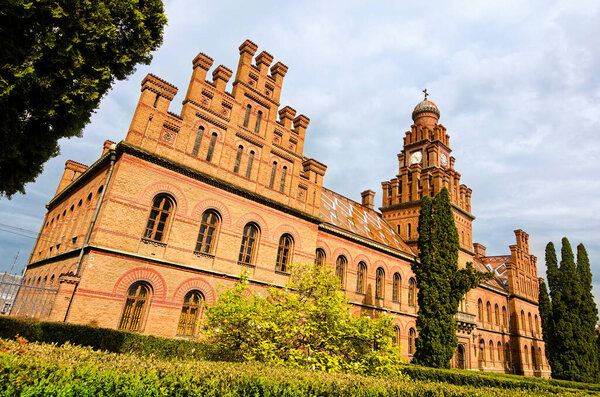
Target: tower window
pixel 249 168
pixel 257 126
pixel 282 185
pixel 198 141
pixel 409 230
pixel 273 170
pixel 211 147
pixel 247 116
pixel 238 158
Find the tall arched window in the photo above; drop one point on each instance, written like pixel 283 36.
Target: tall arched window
pixel 540 358
pixel 320 257
pixel 396 288
pixel 523 325
pixel 531 329
pixel 283 172
pixel 499 348
pixel 273 170
pixel 379 283
pixel 258 117
pixel 361 276
pixel 504 317
pixel 412 292
pixel 158 221
pixel 135 306
pixel 249 167
pixel 491 346
pixel 198 140
pixel 533 358
pixel 537 326
pixel 211 146
pixel 526 356
pixel 481 352
pixel 190 312
pixel 488 309
pixel 497 315
pixel 249 243
pixel 208 231
pixel 284 253
pixel 411 341
pixel 480 310
pixel 247 116
pixel 396 335
pixel 507 354
pixel 238 159
pixel 340 270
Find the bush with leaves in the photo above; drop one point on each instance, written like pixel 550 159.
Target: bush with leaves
pixel 307 324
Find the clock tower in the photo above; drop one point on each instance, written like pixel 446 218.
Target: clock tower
pixel 425 167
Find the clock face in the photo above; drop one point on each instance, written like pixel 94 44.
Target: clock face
pixel 444 160
pixel 416 157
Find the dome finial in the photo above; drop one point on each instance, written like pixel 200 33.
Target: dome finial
pixel 426 93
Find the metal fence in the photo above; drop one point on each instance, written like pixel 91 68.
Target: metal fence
pixel 23 300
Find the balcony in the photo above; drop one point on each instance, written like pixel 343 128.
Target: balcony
pixel 466 322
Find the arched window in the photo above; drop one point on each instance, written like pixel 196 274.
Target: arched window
pixel 533 358
pixel 541 358
pixel 52 280
pixel 340 270
pixel 208 231
pixel 158 221
pixel 537 326
pixel 526 356
pixel 411 341
pixel 273 170
pixel 238 158
pixel 361 276
pixel 320 257
pixel 249 243
pixel 396 288
pixel 497 315
pixel 282 185
pixel 531 329
pixel 258 117
pixel 523 325
pixel 499 348
pixel 488 309
pixel 135 306
pixel 379 283
pixel 507 354
pixel 491 345
pixel 504 317
pixel 284 253
pixel 250 160
pixel 396 335
pixel 247 116
pixel 481 352
pixel 198 140
pixel 190 312
pixel 412 292
pixel 480 310
pixel 211 146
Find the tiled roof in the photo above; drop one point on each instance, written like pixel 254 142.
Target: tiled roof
pixel 497 265
pixel 344 213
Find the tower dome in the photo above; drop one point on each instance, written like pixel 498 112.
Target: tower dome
pixel 426 113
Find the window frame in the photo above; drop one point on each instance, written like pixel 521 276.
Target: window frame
pixel 285 250
pixel 211 230
pixel 130 321
pixel 249 242
pixel 152 224
pixel 188 324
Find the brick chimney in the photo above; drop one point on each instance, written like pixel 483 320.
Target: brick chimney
pixel 368 199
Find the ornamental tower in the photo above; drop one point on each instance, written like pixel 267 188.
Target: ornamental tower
pixel 425 167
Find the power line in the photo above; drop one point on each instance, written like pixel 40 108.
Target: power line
pixel 18 228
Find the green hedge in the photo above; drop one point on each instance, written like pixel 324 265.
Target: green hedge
pixel 41 369
pixel 101 338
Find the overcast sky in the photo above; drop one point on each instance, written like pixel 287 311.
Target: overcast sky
pixel 517 84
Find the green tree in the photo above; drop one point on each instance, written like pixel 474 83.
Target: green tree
pixel 307 324
pixel 588 315
pixel 545 307
pixel 440 282
pixel 59 58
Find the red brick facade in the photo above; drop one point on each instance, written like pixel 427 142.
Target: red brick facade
pixel 172 206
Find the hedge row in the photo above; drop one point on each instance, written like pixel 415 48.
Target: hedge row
pixel 101 338
pixel 38 369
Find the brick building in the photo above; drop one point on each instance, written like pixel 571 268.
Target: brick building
pixel 187 202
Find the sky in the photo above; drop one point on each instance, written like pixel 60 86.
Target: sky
pixel 517 85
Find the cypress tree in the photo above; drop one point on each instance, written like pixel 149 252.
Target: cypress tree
pixel 441 284
pixel 545 307
pixel 588 315
pixel 552 269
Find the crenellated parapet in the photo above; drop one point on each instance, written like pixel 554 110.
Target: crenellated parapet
pixel 240 135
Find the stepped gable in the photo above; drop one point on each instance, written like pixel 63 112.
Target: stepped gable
pixel 495 264
pixel 349 215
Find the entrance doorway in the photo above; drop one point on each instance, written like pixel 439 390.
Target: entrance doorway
pixel 461 360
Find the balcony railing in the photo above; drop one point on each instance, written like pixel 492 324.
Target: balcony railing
pixel 466 322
